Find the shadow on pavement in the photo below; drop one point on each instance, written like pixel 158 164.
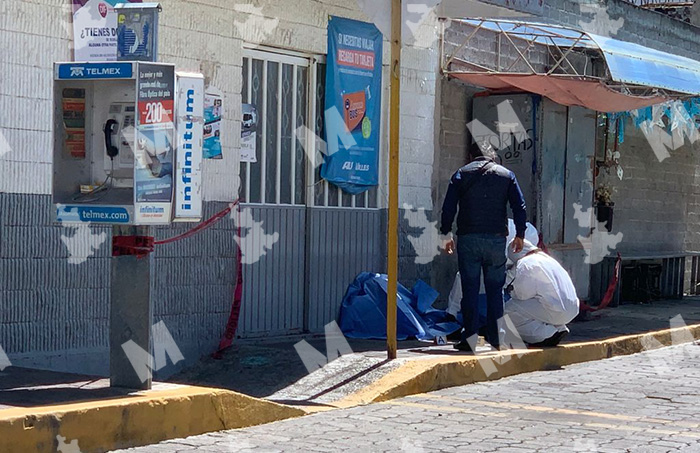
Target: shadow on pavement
pixel 22 387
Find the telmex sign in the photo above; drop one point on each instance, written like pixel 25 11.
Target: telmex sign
pixel 94 71
pixel 190 135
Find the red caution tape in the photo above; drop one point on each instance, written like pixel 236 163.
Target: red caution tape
pixel 232 324
pixel 202 226
pixel 141 246
pixel 610 293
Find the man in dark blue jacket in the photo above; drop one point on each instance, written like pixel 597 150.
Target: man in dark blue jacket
pixel 481 190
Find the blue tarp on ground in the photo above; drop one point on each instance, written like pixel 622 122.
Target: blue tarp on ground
pixel 363 311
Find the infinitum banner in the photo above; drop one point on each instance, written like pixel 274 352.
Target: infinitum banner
pixel 353 105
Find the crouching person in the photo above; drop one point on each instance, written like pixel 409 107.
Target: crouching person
pixel 543 297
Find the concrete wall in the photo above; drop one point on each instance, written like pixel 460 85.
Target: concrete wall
pixel 656 203
pixel 54 314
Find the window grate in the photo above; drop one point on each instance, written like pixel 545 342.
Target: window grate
pixel 286 91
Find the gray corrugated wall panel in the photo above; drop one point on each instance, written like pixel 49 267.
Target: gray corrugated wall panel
pixel 343 243
pixel 55 315
pixel 298 285
pixel 273 291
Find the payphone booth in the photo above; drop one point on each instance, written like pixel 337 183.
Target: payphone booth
pixel 127 143
pixel 128 153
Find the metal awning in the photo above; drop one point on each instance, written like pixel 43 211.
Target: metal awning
pixel 632 63
pixel 569 66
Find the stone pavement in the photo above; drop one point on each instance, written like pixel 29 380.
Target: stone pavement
pixel 647 402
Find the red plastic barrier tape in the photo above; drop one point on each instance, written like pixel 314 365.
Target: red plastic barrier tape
pixel 610 293
pixel 202 226
pixel 139 246
pixel 232 324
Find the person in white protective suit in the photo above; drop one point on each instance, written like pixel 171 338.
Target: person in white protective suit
pixel 543 297
pixel 454 305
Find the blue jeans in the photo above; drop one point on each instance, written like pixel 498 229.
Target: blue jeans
pixel 474 253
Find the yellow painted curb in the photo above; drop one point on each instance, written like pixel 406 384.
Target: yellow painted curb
pixel 139 420
pixel 152 417
pixel 427 375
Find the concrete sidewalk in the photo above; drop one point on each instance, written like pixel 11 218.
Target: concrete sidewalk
pixel 56 409
pixel 39 409
pixel 273 369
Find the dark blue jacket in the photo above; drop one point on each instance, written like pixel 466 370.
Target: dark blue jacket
pixel 482 208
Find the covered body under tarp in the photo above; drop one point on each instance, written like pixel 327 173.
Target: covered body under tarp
pixel 363 311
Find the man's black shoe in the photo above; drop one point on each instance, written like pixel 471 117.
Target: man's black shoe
pixel 552 341
pixel 464 347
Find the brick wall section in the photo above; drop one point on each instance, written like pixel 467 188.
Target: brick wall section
pixel 48 306
pixel 483 49
pixel 56 313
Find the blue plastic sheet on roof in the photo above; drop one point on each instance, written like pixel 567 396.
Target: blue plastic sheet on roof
pixel 627 62
pixel 363 311
pixel 639 65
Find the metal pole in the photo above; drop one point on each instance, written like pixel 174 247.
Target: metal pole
pixel 131 315
pixel 393 208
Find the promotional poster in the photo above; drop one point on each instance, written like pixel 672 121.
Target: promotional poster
pixel 74 121
pixel 353 105
pixel 153 156
pixel 95 29
pixel 249 134
pixel 213 112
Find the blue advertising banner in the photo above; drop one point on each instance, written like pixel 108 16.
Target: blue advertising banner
pixel 353 105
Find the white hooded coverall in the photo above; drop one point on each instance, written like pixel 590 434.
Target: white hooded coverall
pixel 543 296
pixel 455 299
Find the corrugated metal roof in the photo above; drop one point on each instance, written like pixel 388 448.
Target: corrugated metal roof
pixel 639 65
pixel 627 62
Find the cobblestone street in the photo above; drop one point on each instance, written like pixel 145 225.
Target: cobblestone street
pixel 647 402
